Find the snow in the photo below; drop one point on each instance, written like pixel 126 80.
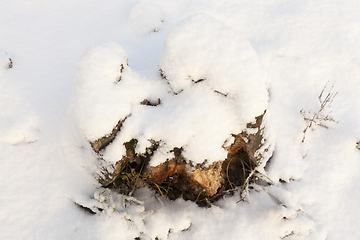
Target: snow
pixel 242 49
pixel 105 89
pixel 198 116
pixel 146 17
pixel 18 123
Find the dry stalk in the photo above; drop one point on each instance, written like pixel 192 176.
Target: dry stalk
pixel 320 117
pixel 245 187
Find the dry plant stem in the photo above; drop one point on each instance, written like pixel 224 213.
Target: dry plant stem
pixel 245 187
pixel 227 174
pixel 197 198
pixel 137 178
pixel 318 118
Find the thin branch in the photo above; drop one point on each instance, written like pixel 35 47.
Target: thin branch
pixel 318 118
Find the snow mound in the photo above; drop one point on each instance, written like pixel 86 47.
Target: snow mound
pixel 105 88
pixel 218 88
pixel 203 48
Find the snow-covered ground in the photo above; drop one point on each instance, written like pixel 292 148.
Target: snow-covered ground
pixel 297 47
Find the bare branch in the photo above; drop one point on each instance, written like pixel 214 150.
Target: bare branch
pixel 319 118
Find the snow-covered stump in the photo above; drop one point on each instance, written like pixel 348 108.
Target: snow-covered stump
pixel 201 182
pixel 195 132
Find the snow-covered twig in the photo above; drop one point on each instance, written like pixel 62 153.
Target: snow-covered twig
pixel 319 117
pixel 245 188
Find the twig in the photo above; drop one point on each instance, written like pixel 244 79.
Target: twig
pixel 318 118
pixel 245 187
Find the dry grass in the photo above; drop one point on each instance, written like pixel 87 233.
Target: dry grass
pixel 326 98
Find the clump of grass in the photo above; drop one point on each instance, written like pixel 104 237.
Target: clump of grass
pixel 132 174
pixel 323 114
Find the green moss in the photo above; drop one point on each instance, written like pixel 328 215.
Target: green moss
pixel 131 175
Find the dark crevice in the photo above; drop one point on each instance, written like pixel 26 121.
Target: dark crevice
pixel 106 140
pixel 121 70
pixel 163 76
pixel 199 80
pixel 86 209
pixel 147 102
pixel 10 65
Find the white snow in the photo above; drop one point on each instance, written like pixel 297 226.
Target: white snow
pixel 198 117
pixel 62 49
pixel 18 123
pixel 105 89
pixel 146 17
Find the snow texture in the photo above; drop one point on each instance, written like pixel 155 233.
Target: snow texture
pixel 18 124
pixel 146 17
pixel 46 161
pixel 105 90
pixel 219 88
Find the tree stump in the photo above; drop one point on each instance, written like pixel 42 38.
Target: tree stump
pixel 195 132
